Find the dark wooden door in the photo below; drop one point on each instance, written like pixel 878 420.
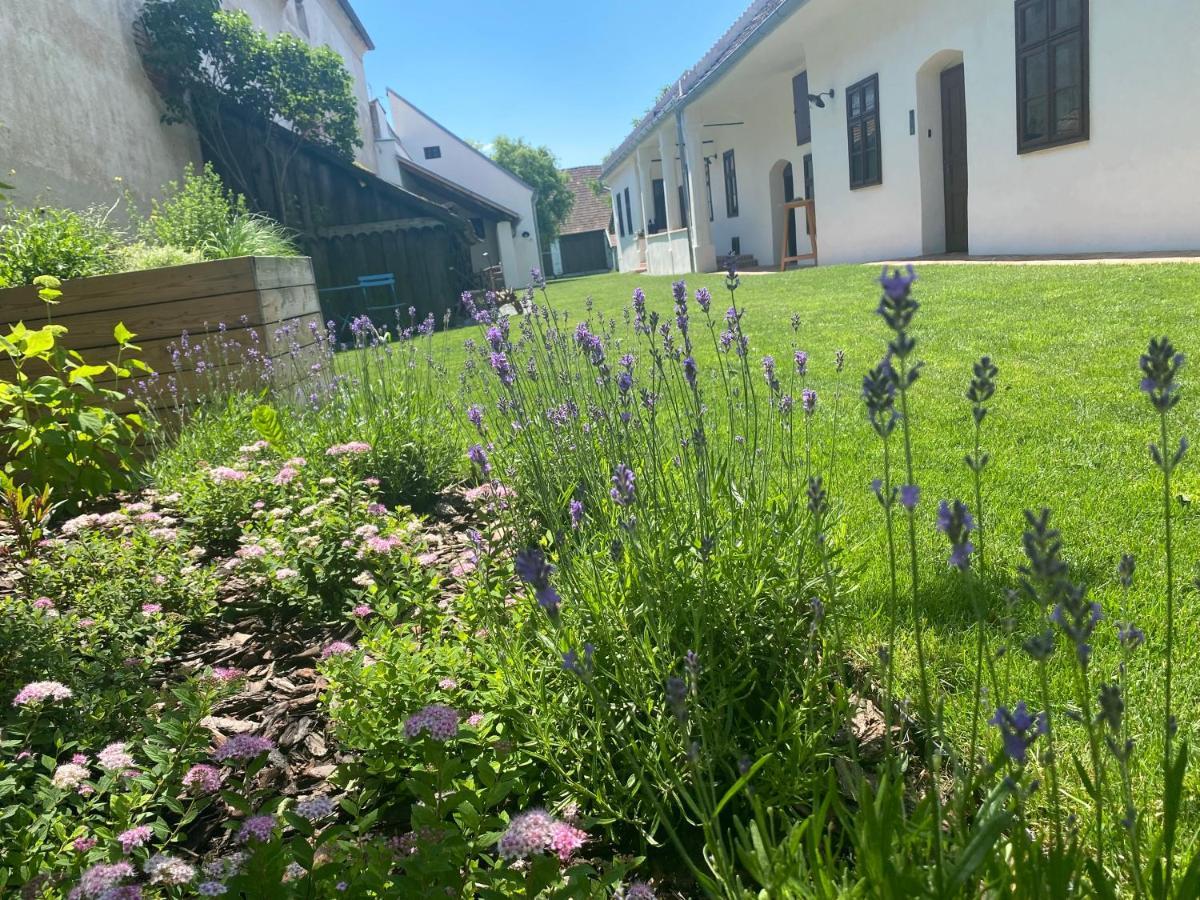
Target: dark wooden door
pixel 660 206
pixel 789 194
pixel 954 158
pixel 587 252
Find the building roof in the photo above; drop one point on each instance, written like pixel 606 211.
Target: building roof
pixel 357 23
pixel 590 212
pixel 758 20
pixel 457 191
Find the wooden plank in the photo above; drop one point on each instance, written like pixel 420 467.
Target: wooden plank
pixel 104 293
pixel 282 271
pixel 281 303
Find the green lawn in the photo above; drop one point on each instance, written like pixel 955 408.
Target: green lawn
pixel 1068 431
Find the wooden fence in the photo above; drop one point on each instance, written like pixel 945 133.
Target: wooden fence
pixel 201 327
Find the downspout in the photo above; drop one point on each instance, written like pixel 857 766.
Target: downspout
pixel 687 186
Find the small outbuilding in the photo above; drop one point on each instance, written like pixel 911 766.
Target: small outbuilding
pixel 583 246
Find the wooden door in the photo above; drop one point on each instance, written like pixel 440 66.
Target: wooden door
pixel 660 206
pixel 954 158
pixel 789 194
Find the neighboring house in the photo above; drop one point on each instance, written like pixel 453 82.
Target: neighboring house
pixel 999 127
pixel 582 245
pixel 414 138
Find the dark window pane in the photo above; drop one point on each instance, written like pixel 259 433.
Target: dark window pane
pixel 869 97
pixel 1067 71
pixel 1066 14
pixel 1033 23
pixel 1067 111
pixel 1035 119
pixel 872 167
pixel 1035 75
pixel 856 104
pixel 856 168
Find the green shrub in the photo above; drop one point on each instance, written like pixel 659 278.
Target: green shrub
pixel 139 256
pixel 59 242
pixel 191 211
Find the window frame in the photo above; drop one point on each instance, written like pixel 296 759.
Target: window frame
pixel 620 217
pixel 862 119
pixel 433 151
pixel 1054 37
pixel 628 214
pixel 729 168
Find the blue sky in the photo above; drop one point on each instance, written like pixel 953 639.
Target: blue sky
pixel 564 73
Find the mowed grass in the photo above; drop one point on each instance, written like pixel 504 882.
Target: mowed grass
pixel 1068 430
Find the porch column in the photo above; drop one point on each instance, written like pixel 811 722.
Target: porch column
pixel 645 190
pixel 703 249
pixel 668 149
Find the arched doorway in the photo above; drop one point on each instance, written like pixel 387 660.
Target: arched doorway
pixel 942 153
pixel 783 189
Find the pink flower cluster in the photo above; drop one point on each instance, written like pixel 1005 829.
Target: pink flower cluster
pixel 337 648
pixel 151 609
pixel 224 473
pixel 243 747
pixel 226 674
pixel 114 757
pixel 43 603
pixel 536 831
pixel 362 611
pixel 100 879
pixel 352 448
pixel 286 475
pixel 316 807
pixel 440 721
pixel 381 546
pixel 203 779
pixel 134 837
pixel 39 691
pixel 260 828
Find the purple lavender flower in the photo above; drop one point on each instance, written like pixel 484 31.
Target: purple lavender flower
pixel 1019 729
pixel 532 568
pixel 622 492
pixel 801 358
pixel 768 364
pixel 576 513
pixel 537 279
pixel 910 496
pixel 639 309
pixel 1130 635
pixel 956 523
pixel 475 416
pixel 786 402
pixel 897 285
pixel 703 298
pixel 689 371
pixel 495 338
pixel 503 369
pixel 478 456
pixel 808 400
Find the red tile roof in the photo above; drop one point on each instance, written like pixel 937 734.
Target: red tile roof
pixel 590 212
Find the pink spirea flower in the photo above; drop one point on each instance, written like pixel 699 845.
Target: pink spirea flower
pixel 376 509
pixel 86 623
pixel 102 878
pixel 337 648
pixel 440 721
pixel 203 779
pixel 151 608
pixel 536 831
pixel 381 545
pixel 362 611
pixel 134 837
pixel 260 828
pixel 638 890
pixel 83 844
pixel 115 757
pixel 69 776
pixel 251 551
pixel 224 473
pixel 43 603
pixel 286 475
pixel 165 869
pixel 226 674
pixel 296 462
pixel 285 573
pixel 316 807
pixel 40 691
pixel 371 481
pixel 475 720
pixel 243 747
pixel 80 759
pixel 352 448
pixel 566 839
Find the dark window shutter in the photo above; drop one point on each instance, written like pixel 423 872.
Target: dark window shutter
pixel 801 108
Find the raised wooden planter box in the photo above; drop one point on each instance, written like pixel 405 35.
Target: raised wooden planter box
pixel 235 313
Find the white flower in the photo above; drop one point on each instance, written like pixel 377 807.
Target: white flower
pixel 69 776
pixel 165 869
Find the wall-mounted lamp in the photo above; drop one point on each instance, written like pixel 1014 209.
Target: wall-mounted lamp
pixel 815 99
pixel 525 234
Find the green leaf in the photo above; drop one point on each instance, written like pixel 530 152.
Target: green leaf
pixel 38 343
pixel 266 422
pixel 122 334
pixel 741 783
pixel 85 372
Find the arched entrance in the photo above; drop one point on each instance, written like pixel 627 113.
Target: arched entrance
pixel 942 153
pixel 783 189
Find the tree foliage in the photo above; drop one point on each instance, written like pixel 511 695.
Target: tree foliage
pixel 207 62
pixel 538 167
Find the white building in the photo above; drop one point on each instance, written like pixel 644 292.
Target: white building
pixel 413 144
pixel 931 126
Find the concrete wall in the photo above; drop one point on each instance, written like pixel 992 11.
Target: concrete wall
pixel 76 109
pixel 1130 186
pixel 328 26
pixel 462 164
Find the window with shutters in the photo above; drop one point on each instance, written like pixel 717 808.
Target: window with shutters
pixel 628 213
pixel 620 217
pixel 1052 73
pixel 862 133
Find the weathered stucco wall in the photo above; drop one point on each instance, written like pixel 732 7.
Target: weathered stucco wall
pixel 76 109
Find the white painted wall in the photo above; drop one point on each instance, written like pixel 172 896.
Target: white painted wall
pixel 464 165
pixel 76 109
pixel 629 252
pixel 1132 186
pixel 328 26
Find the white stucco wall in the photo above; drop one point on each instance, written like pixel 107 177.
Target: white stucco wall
pixel 76 109
pixel 629 253
pixel 462 164
pixel 1131 186
pixel 328 26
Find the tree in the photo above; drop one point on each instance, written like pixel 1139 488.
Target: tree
pixel 538 167
pixel 207 62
